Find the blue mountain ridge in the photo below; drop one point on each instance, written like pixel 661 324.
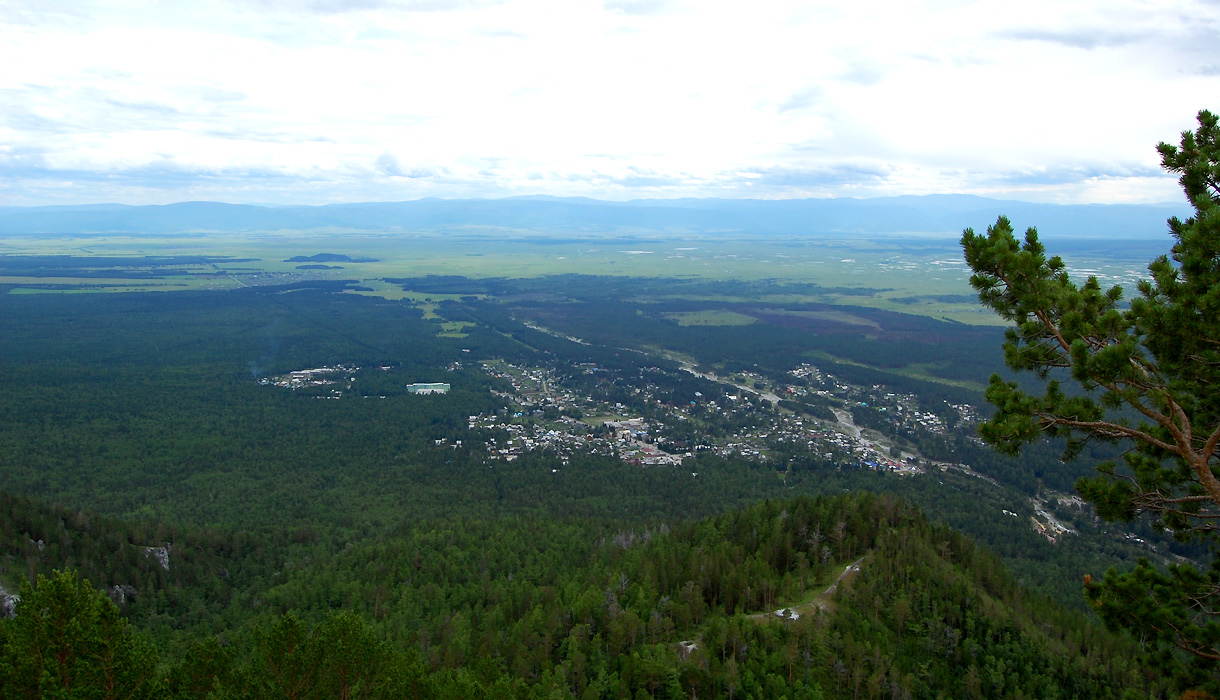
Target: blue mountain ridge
pixel 935 215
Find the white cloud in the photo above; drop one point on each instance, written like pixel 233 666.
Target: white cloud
pixel 624 98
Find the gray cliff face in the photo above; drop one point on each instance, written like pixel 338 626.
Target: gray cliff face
pixel 122 594
pixel 159 555
pixel 8 603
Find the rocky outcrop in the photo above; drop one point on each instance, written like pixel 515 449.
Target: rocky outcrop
pixel 121 594
pixel 8 603
pixel 159 555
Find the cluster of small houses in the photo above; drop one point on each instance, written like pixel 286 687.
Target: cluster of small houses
pixel 534 386
pixel 563 436
pixel 523 438
pixel 303 378
pixel 1047 525
pixel 634 441
pixel 322 376
pixel 909 416
pixel 830 444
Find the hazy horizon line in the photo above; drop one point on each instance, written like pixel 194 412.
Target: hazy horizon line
pixel 585 198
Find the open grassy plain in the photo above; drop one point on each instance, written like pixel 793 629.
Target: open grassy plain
pixel 920 275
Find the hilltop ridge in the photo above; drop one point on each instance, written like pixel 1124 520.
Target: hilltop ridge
pixel 532 607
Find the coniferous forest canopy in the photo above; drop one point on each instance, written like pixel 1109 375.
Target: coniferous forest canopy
pixel 609 350
pixel 240 495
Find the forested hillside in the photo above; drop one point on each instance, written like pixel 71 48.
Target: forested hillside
pixel 529 607
pixel 251 486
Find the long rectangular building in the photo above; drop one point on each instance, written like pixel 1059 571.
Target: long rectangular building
pixel 419 388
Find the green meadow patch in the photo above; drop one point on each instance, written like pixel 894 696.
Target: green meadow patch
pixel 454 329
pixel 710 317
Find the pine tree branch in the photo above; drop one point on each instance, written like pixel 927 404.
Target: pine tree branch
pixel 1185 514
pixel 1107 429
pixel 1055 332
pixel 1188 499
pixel 1186 644
pixel 1213 441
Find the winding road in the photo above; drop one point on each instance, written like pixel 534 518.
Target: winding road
pixel 822 601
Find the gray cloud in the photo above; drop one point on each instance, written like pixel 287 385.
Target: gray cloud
pixel 1067 174
pixel 26 120
pixel 335 7
pixel 213 95
pixel 648 181
pixel 388 164
pixel 231 133
pixel 863 73
pixel 1199 44
pixel 23 159
pixel 640 7
pixel 647 177
pixel 95 110
pixel 504 34
pixel 45 13
pixel 159 184
pixel 802 99
pixel 635 178
pixel 111 109
pixel 836 174
pixel 144 107
pixel 1081 39
pixel 99 109
pixel 163 175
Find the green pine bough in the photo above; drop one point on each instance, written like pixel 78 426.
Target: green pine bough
pixel 1144 376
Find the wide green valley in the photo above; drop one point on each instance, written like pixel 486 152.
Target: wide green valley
pixel 609 350
pixel 531 486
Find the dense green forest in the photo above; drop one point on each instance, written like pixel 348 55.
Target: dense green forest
pixel 236 530
pixel 544 607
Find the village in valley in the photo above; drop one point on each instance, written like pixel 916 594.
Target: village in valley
pixel 664 416
pixel 744 418
pixel 808 416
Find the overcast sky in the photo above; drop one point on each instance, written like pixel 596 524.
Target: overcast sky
pixel 318 101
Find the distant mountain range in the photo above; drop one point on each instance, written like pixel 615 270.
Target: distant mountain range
pixel 941 215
